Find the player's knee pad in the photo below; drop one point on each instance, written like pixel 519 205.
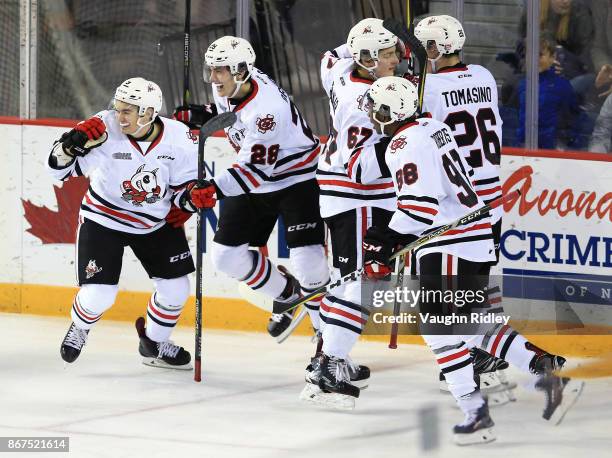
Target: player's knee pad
pixel 91 302
pixel 235 261
pixel 97 298
pixel 309 266
pixel 171 292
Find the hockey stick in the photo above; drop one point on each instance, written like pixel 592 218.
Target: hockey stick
pixel 401 265
pixel 406 34
pixel 294 324
pixel 217 123
pixel 186 53
pixel 411 246
pixel 401 262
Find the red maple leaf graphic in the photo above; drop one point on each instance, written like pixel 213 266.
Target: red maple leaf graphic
pixel 57 226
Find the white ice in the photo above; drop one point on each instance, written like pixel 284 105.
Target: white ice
pixel 110 405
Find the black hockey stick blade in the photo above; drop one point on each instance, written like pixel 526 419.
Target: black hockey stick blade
pixel 219 122
pixel 406 34
pixel 399 29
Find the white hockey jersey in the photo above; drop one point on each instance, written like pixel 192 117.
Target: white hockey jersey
pixel 275 146
pixel 433 188
pixel 132 184
pixel 465 98
pixel 352 171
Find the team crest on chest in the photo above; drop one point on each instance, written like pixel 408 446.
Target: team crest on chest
pixel 265 124
pixel 141 188
pixel 397 143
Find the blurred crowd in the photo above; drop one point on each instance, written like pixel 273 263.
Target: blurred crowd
pixel 575 77
pixel 91 46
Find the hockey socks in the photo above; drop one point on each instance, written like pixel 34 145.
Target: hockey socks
pixel 161 319
pixel 264 277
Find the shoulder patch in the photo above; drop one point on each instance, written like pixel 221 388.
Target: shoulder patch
pixel 265 123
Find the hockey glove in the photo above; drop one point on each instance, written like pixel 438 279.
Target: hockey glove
pixel 195 116
pixel 377 246
pixel 198 195
pixel 177 217
pixel 87 134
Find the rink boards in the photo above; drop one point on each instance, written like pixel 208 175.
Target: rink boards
pixel 556 244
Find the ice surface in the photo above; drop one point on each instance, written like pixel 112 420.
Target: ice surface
pixel 110 405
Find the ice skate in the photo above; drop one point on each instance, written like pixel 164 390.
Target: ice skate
pixel 327 383
pixel 281 319
pixel 335 376
pixel 359 374
pixel 73 343
pixel 161 354
pixel 477 428
pixel 561 393
pixel 490 377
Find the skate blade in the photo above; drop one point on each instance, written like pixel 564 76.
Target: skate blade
pixel 500 398
pixel 361 384
pixel 502 388
pixel 312 394
pixel 155 362
pixel 482 436
pixel 498 388
pixel 571 393
pixel 297 319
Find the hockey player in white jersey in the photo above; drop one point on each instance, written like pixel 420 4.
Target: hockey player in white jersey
pixel 433 188
pixel 464 97
pixel 273 175
pixel 356 192
pixel 138 165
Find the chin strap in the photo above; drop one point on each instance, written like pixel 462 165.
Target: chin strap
pixel 142 126
pixel 433 62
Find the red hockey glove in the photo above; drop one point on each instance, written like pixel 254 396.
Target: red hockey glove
pixel 93 127
pixel 198 195
pixel 177 217
pixel 86 135
pixel 195 115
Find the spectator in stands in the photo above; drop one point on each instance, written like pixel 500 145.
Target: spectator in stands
pixel 569 26
pixel 601 50
pixel 604 80
pixel 602 134
pixel 557 101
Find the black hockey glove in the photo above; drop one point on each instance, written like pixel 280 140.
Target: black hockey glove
pixel 378 245
pixel 195 116
pixel 73 143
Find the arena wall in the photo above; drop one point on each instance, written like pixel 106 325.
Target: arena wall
pixel 556 244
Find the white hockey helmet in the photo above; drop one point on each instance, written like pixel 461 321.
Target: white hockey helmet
pixel 446 31
pixel 233 52
pixel 142 93
pixel 394 98
pixel 367 38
